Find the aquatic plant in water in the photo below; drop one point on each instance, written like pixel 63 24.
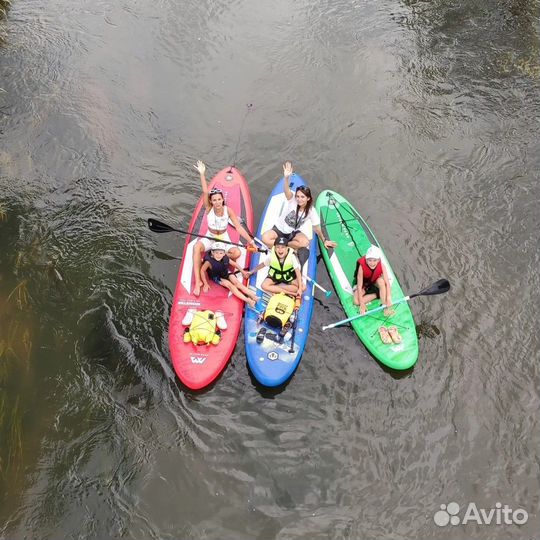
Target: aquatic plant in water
pixel 4 6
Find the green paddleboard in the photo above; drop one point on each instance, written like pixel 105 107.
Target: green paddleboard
pixel 343 224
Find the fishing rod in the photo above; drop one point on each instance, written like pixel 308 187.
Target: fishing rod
pixel 249 106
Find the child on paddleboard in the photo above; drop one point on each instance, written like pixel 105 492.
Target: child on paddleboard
pixel 297 214
pixel 217 215
pixel 284 270
pixel 372 281
pixel 216 266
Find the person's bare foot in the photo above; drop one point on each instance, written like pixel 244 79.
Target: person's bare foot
pixel 197 289
pixel 206 288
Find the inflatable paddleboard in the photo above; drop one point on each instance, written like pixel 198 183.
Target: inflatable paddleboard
pixel 272 361
pixel 198 365
pixel 343 224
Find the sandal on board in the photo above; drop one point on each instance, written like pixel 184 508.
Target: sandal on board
pixel 261 335
pixel 221 323
pixel 394 334
pixel 188 317
pixel 385 336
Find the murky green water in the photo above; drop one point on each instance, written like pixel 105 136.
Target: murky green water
pixel 424 114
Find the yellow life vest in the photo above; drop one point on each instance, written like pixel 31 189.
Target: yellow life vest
pixel 279 310
pixel 282 273
pixel 203 329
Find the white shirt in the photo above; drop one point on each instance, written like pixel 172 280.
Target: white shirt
pixel 290 220
pixel 218 223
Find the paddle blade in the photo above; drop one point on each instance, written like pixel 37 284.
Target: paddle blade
pixel 327 293
pixel 159 227
pixel 439 287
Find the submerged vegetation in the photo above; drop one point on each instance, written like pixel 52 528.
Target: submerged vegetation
pixel 16 335
pixel 4 6
pixel 15 351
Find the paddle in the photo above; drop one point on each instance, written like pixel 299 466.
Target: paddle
pixel 244 224
pixel 295 323
pixel 326 293
pixel 439 287
pixel 159 227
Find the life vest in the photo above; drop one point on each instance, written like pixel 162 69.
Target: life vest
pixel 370 276
pixel 203 329
pixel 218 269
pixel 279 310
pixel 282 273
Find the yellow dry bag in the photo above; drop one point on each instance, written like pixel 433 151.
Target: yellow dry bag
pixel 279 310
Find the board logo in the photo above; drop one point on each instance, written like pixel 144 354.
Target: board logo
pixel 273 355
pixel 197 359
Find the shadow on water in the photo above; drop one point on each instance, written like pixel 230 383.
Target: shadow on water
pixel 394 373
pixel 270 392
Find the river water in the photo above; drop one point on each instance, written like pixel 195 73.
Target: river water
pixel 424 114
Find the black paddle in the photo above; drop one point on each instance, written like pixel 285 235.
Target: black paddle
pixel 159 227
pixel 439 287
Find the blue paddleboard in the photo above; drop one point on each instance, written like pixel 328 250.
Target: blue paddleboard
pixel 273 361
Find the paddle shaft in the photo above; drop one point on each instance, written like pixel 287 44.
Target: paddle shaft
pixel 370 312
pixel 439 287
pixel 318 286
pixel 295 323
pixel 159 227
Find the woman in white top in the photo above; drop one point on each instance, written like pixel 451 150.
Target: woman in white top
pixel 297 212
pixel 217 216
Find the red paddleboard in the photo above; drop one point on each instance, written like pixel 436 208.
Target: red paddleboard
pixel 198 365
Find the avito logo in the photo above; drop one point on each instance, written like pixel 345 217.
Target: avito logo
pixel 500 515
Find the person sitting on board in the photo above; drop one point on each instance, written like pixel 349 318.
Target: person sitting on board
pixel 216 266
pixel 217 216
pixel 298 212
pixel 372 281
pixel 284 269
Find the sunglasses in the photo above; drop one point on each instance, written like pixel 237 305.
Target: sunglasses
pixel 215 191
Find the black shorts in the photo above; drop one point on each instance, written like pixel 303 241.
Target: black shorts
pixel 373 289
pixel 289 236
pixel 217 279
pixel 280 281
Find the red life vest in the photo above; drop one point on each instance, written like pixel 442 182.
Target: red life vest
pixel 370 276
